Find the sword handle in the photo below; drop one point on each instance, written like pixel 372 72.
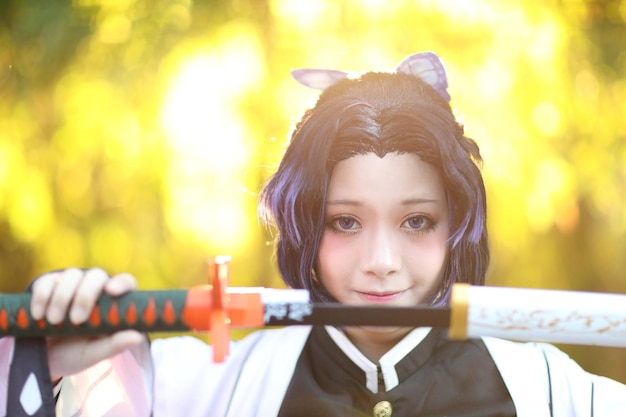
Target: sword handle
pixel 146 311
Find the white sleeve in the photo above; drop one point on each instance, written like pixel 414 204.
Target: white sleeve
pixel 251 381
pixel 177 376
pixel 609 397
pixel 576 392
pixel 120 386
pixel 544 381
pixel 6 353
pixel 187 382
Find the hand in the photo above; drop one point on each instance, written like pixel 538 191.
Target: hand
pixel 74 292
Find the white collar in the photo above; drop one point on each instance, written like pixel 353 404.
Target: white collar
pixel 387 362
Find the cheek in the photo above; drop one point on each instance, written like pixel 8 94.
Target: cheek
pixel 440 257
pixel 324 255
pixel 430 256
pixel 331 258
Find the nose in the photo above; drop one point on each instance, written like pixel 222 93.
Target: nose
pixel 381 253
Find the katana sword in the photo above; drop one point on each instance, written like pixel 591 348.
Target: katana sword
pixel 190 310
pixel 557 316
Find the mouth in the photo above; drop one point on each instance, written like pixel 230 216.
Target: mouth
pixel 380 297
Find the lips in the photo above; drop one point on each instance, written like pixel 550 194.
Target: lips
pixel 380 297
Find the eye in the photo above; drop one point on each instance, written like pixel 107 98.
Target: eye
pixel 419 223
pixel 344 224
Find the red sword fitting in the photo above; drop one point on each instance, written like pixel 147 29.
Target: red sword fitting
pixel 223 309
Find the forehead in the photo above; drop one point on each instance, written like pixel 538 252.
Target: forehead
pixel 395 175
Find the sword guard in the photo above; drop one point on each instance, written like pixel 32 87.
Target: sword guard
pixel 229 308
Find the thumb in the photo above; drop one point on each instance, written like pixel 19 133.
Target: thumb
pixel 68 356
pixel 108 346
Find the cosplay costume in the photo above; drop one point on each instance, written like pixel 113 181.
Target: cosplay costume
pixel 312 371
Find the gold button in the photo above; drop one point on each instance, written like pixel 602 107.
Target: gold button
pixel 382 409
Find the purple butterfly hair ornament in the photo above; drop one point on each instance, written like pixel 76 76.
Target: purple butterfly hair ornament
pixel 427 66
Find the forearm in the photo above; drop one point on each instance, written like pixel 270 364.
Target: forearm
pixel 6 352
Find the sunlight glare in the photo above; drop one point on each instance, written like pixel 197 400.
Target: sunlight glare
pixel 198 117
pixel 547 117
pixel 304 15
pixel 221 221
pixel 210 140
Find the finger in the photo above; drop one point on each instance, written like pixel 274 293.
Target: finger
pixel 67 356
pixel 41 291
pixel 105 347
pixel 62 295
pixel 120 284
pixel 89 289
pixel 124 339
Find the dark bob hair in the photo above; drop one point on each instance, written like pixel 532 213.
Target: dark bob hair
pixel 379 113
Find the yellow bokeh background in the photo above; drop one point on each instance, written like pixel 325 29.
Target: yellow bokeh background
pixel 135 135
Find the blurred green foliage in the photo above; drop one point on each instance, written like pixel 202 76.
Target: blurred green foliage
pixel 135 135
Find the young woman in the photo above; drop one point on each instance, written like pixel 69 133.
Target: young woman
pixel 378 201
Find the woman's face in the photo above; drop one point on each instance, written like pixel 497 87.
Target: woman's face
pixel 386 231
